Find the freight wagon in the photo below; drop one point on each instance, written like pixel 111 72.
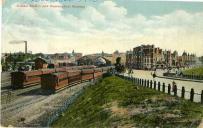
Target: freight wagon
pixel 87 74
pixel 98 73
pixel 74 74
pixel 25 78
pixel 52 81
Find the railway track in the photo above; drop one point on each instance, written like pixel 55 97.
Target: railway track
pixel 12 95
pixel 35 106
pixel 19 106
pixel 19 91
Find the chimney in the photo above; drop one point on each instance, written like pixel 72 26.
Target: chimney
pixel 25 47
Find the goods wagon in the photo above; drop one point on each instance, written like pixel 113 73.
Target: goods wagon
pixel 60 69
pixel 89 66
pixel 25 78
pixel 76 67
pixel 87 74
pixel 74 76
pixel 56 78
pixel 54 81
pixel 84 67
pixel 47 71
pixel 98 73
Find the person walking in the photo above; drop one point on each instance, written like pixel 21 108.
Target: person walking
pixel 173 86
pixel 153 75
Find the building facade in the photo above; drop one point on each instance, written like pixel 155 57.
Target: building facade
pixel 143 57
pixel 151 57
pixel 64 59
pixel 112 57
pixel 93 60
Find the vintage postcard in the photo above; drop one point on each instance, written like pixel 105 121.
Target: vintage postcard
pixel 102 63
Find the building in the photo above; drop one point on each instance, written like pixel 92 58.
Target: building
pixel 143 57
pixel 64 59
pixel 187 60
pixel 158 58
pixel 129 59
pixel 117 54
pixel 112 57
pixel 175 59
pixel 93 60
pixel 41 63
pixel 167 58
pixel 151 57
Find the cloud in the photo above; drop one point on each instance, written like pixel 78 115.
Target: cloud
pixel 92 15
pixel 105 27
pixel 112 11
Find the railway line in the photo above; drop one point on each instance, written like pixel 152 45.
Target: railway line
pixel 35 107
pixel 9 94
pixel 19 106
pixel 34 95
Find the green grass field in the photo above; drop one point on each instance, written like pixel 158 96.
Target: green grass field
pixel 115 102
pixel 195 71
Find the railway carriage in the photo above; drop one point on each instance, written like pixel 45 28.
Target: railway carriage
pixel 54 81
pixel 57 78
pixel 60 69
pixel 25 78
pixel 98 73
pixel 87 74
pixel 74 76
pixel 47 71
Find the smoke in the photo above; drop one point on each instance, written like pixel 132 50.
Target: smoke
pixel 17 42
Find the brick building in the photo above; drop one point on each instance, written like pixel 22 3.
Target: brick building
pixel 150 57
pixel 143 57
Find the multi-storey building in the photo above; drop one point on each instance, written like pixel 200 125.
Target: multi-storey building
pixel 167 57
pixel 187 59
pixel 129 59
pixel 174 58
pixel 158 56
pixel 143 57
pixel 150 57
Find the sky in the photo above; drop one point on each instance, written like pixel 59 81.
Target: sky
pixel 102 25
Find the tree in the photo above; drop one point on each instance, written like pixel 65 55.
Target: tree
pixel 118 66
pixel 118 60
pixel 201 59
pixel 11 60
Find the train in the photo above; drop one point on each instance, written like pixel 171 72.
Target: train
pixel 57 78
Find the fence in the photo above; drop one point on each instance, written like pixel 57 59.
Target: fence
pixel 197 77
pixel 171 90
pixel 184 76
